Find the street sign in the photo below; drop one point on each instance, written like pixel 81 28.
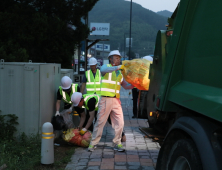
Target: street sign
pixel 100 47
pixel 99 28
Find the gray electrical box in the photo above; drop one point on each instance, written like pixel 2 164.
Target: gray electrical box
pixel 67 72
pixel 28 90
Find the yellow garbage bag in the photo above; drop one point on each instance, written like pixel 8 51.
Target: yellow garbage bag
pixel 136 72
pixel 72 136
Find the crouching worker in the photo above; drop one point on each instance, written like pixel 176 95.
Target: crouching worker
pixel 90 102
pixel 64 93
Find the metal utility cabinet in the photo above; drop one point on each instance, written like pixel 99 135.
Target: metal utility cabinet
pixel 28 90
pixel 67 72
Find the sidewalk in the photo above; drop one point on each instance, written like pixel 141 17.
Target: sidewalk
pixel 141 153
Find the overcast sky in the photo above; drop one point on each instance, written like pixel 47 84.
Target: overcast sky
pixel 158 5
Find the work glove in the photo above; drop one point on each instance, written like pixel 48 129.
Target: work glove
pixel 69 110
pixel 120 67
pixel 57 113
pixel 83 131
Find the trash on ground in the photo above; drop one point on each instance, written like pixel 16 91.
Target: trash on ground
pixel 72 136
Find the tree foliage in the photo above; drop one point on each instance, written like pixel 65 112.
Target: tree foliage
pixel 165 13
pixel 42 30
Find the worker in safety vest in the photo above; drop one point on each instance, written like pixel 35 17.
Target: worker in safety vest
pixel 110 104
pixel 90 102
pixel 64 93
pixel 91 79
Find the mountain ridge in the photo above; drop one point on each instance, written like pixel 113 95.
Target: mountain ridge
pixel 165 13
pixel 144 26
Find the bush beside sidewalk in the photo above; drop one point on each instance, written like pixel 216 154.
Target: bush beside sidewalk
pixel 24 152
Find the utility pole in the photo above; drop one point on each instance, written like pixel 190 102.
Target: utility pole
pixel 86 44
pixel 124 45
pixel 103 51
pixel 130 30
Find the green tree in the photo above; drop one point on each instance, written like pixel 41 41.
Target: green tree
pixel 42 30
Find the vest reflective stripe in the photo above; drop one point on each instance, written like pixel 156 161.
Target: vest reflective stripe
pixel 87 97
pixel 111 90
pixel 97 89
pixel 93 84
pixel 110 84
pixel 65 97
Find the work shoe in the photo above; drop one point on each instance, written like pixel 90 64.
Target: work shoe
pixel 91 148
pixel 119 148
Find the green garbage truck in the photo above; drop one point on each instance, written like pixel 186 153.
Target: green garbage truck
pixel 184 100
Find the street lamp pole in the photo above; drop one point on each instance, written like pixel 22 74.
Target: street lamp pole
pixel 130 30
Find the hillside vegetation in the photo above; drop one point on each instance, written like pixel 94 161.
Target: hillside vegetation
pixel 145 24
pixel 165 13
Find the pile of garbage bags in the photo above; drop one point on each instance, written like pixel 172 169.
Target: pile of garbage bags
pixel 136 72
pixel 64 121
pixel 68 119
pixel 72 136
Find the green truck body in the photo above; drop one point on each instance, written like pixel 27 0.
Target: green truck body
pixel 195 57
pixel 185 95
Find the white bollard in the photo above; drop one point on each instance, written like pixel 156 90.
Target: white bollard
pixel 47 147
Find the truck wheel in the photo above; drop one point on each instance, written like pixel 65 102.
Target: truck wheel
pixel 184 156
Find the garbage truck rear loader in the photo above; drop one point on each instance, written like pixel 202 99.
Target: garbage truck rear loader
pixel 185 93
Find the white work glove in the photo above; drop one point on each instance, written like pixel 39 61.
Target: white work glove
pixel 57 113
pixel 69 110
pixel 120 67
pixel 83 131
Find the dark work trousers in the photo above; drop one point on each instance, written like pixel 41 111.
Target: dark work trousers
pixel 135 93
pixel 86 121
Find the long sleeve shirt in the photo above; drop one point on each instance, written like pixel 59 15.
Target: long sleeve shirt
pixel 104 69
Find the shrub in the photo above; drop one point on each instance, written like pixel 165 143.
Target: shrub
pixel 22 152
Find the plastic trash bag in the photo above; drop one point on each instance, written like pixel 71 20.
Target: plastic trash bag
pixel 136 72
pixel 72 136
pixel 68 119
pixel 58 123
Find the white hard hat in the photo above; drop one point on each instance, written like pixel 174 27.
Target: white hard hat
pixel 66 82
pixel 75 98
pixel 114 52
pixel 92 61
pixel 148 58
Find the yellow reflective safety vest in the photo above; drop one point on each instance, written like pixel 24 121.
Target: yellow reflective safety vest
pixel 89 96
pixel 93 84
pixel 110 84
pixel 65 96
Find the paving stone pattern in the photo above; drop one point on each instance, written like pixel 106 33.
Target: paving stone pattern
pixel 141 153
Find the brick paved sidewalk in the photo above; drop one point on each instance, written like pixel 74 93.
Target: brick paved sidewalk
pixel 141 153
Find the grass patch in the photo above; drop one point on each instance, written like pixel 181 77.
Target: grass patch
pixel 24 152
pixel 61 159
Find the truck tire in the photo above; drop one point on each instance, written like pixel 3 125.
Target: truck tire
pixel 182 156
